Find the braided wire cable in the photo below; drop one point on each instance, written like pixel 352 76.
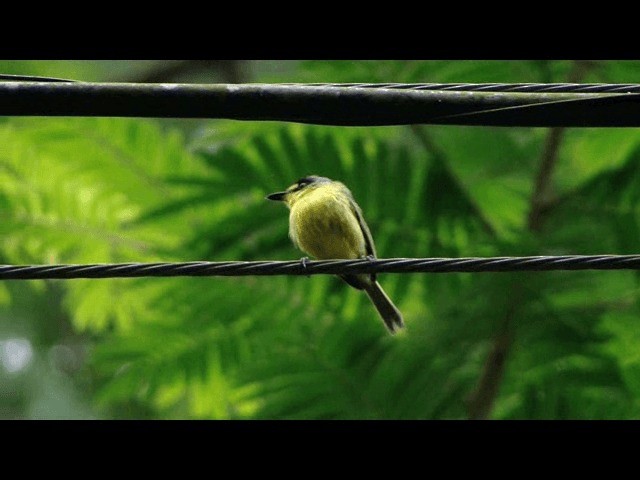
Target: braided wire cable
pixel 455 87
pixel 6 77
pixel 296 267
pixel 492 87
pixel 364 104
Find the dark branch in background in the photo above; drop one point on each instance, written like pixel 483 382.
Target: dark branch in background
pixel 335 104
pixel 439 157
pixel 480 402
pixel 323 267
pixel 540 198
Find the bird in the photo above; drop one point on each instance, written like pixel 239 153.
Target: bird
pixel 325 222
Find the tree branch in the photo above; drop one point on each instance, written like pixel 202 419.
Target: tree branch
pixel 440 158
pixel 540 196
pixel 481 401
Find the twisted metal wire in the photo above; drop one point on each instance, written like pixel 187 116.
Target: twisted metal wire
pixel 6 77
pixel 364 104
pixel 492 87
pixel 454 87
pixel 297 267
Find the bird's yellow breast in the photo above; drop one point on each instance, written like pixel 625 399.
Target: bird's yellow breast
pixel 323 225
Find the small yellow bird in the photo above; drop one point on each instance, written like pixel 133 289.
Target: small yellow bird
pixel 327 223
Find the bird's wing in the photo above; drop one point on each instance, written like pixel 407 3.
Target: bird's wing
pixel 368 240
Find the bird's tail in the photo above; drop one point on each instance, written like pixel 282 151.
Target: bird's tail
pixel 391 316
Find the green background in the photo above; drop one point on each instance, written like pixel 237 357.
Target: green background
pixel 550 345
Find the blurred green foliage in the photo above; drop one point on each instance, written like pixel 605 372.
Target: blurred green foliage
pixel 85 190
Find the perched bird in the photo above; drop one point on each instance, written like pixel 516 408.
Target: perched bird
pixel 327 223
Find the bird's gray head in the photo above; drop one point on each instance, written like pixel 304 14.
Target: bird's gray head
pixel 299 185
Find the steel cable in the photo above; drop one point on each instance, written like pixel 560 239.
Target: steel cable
pixel 296 267
pixel 364 104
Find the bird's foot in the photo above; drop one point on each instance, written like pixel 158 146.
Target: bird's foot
pixel 371 258
pixel 303 262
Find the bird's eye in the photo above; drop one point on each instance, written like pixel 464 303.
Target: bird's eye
pixel 302 184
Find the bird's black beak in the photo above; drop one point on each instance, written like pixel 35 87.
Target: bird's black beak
pixel 278 196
